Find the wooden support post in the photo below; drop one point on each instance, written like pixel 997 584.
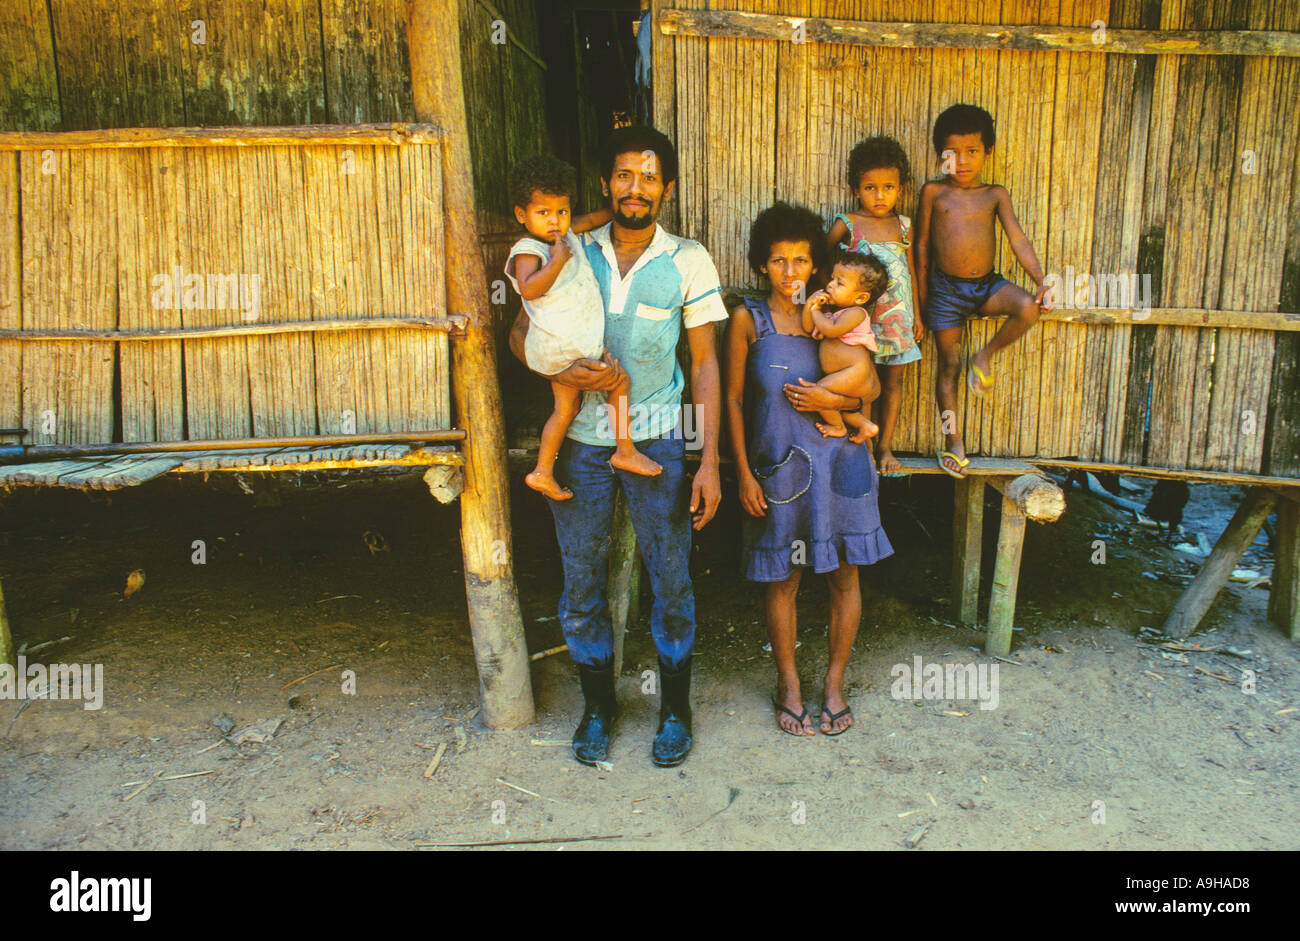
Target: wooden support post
pixel 1027 497
pixel 1240 533
pixel 623 583
pixel 6 638
pixel 1006 579
pixel 433 38
pixel 1284 601
pixel 967 544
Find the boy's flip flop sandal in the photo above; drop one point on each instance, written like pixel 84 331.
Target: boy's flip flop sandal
pixel 961 462
pixel 978 380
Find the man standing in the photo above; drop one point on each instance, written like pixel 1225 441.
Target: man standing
pixel 654 286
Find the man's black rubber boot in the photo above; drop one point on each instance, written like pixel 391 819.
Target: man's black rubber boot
pixel 673 741
pixel 591 740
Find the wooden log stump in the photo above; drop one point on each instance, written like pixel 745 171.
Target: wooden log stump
pixel 1284 600
pixel 1036 497
pixel 1240 533
pixel 1026 497
pixel 967 537
pixel 433 38
pixel 445 481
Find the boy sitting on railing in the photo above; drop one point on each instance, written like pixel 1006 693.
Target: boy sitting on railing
pixel 957 243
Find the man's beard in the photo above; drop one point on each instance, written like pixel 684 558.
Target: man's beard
pixel 629 222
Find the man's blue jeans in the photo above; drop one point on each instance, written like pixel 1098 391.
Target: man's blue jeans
pixel 659 508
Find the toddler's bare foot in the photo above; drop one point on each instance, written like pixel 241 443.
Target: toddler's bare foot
pixel 865 430
pixel 547 484
pixel 831 431
pixel 634 462
pixel 888 463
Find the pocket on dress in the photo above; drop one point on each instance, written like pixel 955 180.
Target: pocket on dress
pixel 788 480
pixel 851 471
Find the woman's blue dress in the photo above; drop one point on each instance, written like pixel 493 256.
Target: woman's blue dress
pixel 820 492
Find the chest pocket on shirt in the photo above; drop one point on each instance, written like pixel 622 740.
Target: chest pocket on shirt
pixel 646 312
pixel 653 337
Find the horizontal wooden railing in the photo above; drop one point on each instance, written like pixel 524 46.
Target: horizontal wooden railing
pixel 799 29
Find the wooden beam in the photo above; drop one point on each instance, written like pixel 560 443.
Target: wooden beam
pixel 1006 580
pixel 1240 533
pixel 737 25
pixel 306 134
pixel 1173 316
pixel 967 546
pixel 433 38
pixel 1170 473
pixel 47 452
pixel 1279 321
pixel 1284 599
pixel 455 324
pixel 284 464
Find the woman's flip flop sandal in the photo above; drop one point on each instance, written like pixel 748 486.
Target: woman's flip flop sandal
pixel 833 717
pixel 979 381
pixel 962 462
pixel 798 718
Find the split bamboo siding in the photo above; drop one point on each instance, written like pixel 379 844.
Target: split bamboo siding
pixel 334 224
pixel 1182 166
pixel 82 64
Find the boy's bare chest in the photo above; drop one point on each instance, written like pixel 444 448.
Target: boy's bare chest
pixel 965 208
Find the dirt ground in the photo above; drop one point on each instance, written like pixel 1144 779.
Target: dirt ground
pixel 1168 741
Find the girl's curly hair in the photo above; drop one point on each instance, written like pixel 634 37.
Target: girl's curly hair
pixel 782 222
pixel 875 153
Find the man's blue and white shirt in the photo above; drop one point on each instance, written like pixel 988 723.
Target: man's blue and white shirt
pixel 671 287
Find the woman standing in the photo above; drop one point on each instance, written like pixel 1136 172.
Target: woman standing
pixel 809 500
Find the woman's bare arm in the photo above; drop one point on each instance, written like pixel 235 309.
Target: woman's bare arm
pixel 740 334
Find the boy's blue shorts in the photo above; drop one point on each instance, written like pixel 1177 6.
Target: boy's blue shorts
pixel 951 299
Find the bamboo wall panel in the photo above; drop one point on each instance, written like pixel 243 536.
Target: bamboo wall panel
pixel 152 238
pixel 273 233
pixel 68 282
pixel 367 68
pixel 1116 164
pixel 292 232
pixel 29 89
pixel 118 65
pixel 261 63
